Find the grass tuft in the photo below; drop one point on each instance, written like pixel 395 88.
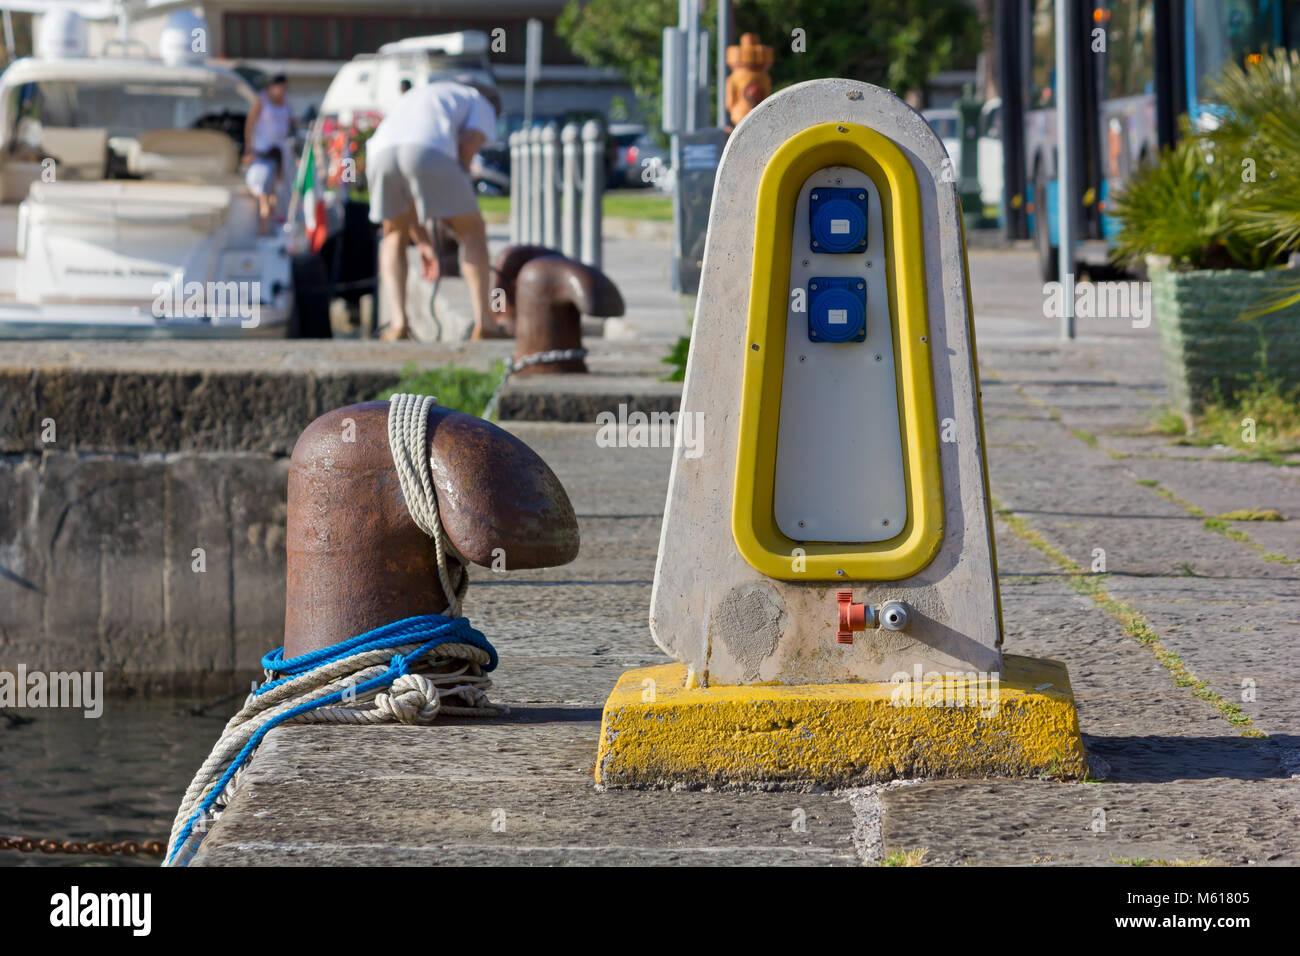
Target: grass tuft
pixel 1273 410
pixel 906 857
pixel 464 389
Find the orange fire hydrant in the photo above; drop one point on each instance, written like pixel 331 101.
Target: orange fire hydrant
pixel 748 85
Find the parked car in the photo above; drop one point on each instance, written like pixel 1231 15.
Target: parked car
pixel 635 160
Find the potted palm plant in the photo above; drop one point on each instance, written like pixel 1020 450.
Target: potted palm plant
pixel 1216 220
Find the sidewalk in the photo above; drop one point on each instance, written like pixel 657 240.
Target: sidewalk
pixel 1158 650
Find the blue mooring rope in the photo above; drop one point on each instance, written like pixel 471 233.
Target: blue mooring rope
pixel 431 629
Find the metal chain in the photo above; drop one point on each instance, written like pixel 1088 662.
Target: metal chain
pixel 97 848
pixel 537 358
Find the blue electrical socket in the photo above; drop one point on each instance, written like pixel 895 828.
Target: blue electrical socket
pixel 837 309
pixel 837 219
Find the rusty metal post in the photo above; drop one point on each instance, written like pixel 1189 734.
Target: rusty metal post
pixel 505 272
pixel 356 560
pixel 552 294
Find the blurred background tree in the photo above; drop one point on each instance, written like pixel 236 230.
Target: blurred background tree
pixel 897 44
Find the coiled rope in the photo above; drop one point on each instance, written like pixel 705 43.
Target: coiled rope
pixel 400 672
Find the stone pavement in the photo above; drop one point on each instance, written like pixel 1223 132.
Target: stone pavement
pixel 1159 648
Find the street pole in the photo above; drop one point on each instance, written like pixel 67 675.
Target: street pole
pixel 1065 170
pixel 692 64
pixel 724 31
pixel 532 66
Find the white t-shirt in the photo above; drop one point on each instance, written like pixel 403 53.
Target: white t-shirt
pixel 435 115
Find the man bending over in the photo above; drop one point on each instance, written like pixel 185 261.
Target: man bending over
pixel 417 166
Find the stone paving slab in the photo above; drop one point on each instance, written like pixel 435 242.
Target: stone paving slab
pixel 508 791
pixel 1022 822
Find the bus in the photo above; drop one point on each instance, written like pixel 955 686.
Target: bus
pixel 1137 66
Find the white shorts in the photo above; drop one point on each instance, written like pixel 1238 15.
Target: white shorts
pixel 407 174
pixel 260 177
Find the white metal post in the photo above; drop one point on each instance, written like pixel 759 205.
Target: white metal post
pixel 550 221
pixel 593 175
pixel 535 185
pixel 525 169
pixel 569 139
pixel 516 180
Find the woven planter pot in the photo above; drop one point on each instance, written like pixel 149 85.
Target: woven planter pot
pixel 1202 340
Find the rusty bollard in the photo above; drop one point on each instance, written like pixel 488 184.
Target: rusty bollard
pixel 356 559
pixel 505 273
pixel 552 293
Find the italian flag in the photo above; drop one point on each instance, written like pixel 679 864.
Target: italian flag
pixel 311 195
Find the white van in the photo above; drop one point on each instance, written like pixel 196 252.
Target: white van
pixel 369 84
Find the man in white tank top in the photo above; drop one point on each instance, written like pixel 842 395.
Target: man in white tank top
pixel 267 132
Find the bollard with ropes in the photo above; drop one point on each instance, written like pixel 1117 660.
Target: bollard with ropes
pixel 384 562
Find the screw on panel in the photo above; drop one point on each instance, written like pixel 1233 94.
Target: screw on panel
pixel 754 346
pixel 878 357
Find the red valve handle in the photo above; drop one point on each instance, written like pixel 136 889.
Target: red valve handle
pixel 852 617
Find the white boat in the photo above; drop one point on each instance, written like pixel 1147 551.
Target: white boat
pixel 122 208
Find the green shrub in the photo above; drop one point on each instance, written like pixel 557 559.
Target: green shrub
pixel 464 389
pixel 677 359
pixel 1227 197
pixel 1274 410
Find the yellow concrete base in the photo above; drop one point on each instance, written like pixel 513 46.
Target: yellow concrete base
pixel 656 731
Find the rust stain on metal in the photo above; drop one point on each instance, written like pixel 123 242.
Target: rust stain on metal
pixel 505 272
pixel 355 558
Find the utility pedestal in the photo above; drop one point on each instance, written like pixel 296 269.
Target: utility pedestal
pixel 826 575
